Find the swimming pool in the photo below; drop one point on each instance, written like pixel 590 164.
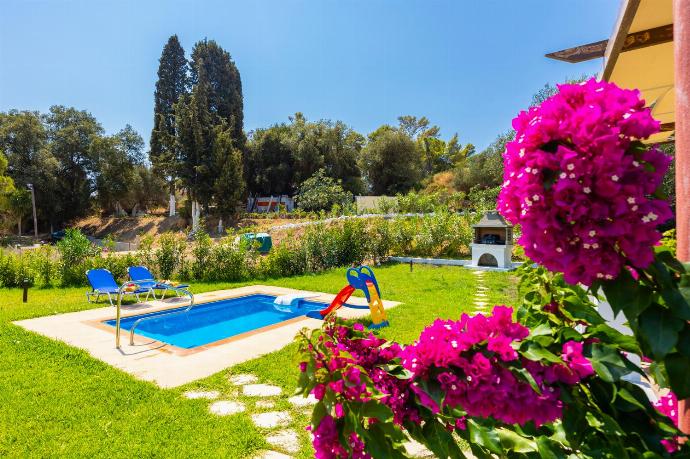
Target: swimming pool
pixel 209 322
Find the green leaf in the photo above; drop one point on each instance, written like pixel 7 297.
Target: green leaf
pixel 541 330
pixel 486 437
pixel 549 449
pixel 318 414
pixel 660 330
pixel 440 441
pixel 632 401
pixel 678 370
pixel 378 444
pixel 627 295
pixel 522 373
pixel 666 257
pixel 683 344
pixel 684 284
pixel 578 310
pixel 609 364
pixel 511 441
pixel 374 409
pixel 610 335
pixel 675 300
pixel 658 372
pixel 533 351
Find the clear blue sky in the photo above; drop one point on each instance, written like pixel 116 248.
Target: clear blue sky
pixel 469 66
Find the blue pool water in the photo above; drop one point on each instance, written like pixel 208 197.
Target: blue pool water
pixel 209 322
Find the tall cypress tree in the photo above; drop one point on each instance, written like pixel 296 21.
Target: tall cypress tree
pixel 211 133
pixel 173 83
pixel 213 64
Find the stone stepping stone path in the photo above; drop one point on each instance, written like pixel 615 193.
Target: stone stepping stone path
pixel 284 439
pixel 226 408
pixel 243 379
pixel 300 401
pixel 272 419
pixel 480 296
pixel 287 439
pixel 272 455
pixel 205 394
pixel 261 390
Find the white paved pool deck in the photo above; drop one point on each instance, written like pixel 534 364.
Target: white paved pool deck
pixel 166 365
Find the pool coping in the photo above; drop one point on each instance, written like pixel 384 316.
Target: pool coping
pixel 171 366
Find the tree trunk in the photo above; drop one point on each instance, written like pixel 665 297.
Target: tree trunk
pixel 221 229
pixel 19 225
pixel 172 202
pixel 134 210
pixel 196 213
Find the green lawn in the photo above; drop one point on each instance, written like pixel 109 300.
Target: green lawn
pixel 57 401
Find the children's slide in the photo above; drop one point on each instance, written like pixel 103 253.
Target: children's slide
pixel 361 278
pixel 339 299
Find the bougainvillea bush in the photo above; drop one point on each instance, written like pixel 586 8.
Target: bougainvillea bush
pixel 551 378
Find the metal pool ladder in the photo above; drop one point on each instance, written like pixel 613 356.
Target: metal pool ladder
pixel 138 321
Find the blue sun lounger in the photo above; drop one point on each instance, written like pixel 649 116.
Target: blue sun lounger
pixel 145 279
pixel 103 283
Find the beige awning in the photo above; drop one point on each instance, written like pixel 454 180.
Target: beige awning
pixel 639 55
pixel 649 68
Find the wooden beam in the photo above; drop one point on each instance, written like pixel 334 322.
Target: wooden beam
pixel 625 19
pixel 580 53
pixel 666 127
pixel 635 40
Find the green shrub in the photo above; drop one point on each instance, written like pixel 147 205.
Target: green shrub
pixel 145 253
pixel 321 192
pixel 201 251
pixel 283 261
pixel 14 270
pixel 229 261
pixel 44 264
pixel 168 256
pixel 77 255
pixel 379 239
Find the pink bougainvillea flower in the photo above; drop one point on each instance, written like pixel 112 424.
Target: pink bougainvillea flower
pixel 577 186
pixel 668 406
pixel 468 357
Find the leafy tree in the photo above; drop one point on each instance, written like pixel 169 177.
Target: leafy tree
pixel 285 155
pixel 304 143
pixel 321 192
pixel 269 162
pixel 18 203
pixel 440 156
pixel 118 156
pixel 71 134
pixel 342 147
pixel 24 140
pixel 210 128
pixel 7 190
pixel 390 162
pixel 211 63
pixel 173 83
pixel 195 137
pixel 148 188
pixel 485 169
pixel 229 186
pixel 417 127
pixel 437 155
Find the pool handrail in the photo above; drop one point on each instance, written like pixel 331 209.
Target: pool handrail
pixel 130 284
pixel 141 319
